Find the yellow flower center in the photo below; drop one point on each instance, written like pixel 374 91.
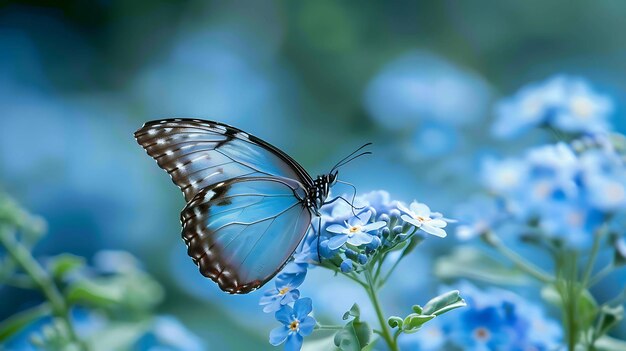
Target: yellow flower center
pixel 582 107
pixel 354 229
pixel 283 291
pixel 293 326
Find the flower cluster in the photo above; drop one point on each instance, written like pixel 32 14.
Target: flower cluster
pixel 565 103
pixel 565 190
pixel 345 241
pixel 494 319
pixel 349 239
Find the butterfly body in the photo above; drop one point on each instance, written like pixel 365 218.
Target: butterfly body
pixel 248 203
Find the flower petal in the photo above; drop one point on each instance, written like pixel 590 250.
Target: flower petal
pixel 290 297
pixel 439 223
pixel 420 209
pixel 364 216
pixel 302 308
pixel 336 228
pixel 336 241
pixel 373 226
pixel 307 325
pixel 294 342
pixel 264 300
pixel 278 335
pixel 360 238
pixel 290 280
pixel 272 306
pixel 402 208
pixel 411 220
pixel 434 230
pixel 285 314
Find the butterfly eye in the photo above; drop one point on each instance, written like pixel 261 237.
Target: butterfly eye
pixel 332 178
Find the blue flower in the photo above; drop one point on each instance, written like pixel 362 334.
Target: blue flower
pixel 562 102
pixel 477 217
pixel 582 110
pixel 296 325
pixel 527 109
pixel 306 254
pixel 494 319
pixel 355 231
pixel 285 292
pixel 419 215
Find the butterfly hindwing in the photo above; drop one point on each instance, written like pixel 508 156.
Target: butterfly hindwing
pixel 199 153
pixel 241 232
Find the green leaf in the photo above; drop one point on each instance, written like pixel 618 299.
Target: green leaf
pixel 354 336
pixel 414 322
pixel 354 311
pixel 417 309
pixel 117 336
pixel 606 343
pixel 314 343
pixel 609 317
pixel 55 336
pixel 444 303
pixel 134 291
pixel 32 227
pixel 398 246
pixel 60 266
pixel 18 321
pixel 472 263
pixel 371 345
pixel 395 322
pixel 95 293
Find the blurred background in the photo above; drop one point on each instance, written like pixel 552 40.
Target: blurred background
pixel 315 78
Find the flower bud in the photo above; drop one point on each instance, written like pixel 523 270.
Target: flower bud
pixel 346 266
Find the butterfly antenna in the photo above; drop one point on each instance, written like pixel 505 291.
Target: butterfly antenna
pixel 353 196
pixel 354 158
pixel 341 163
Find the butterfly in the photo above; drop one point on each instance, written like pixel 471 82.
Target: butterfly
pixel 249 204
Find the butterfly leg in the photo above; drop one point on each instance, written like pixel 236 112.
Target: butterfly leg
pixel 319 233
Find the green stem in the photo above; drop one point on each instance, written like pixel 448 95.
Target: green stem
pixel 597 238
pixel 372 293
pixel 602 273
pixel 388 274
pixel 570 291
pixel 532 270
pixel 40 278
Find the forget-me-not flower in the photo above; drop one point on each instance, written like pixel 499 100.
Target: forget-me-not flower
pixel 286 292
pixel 494 319
pixel 296 325
pixel 565 103
pixel 355 231
pixel 420 215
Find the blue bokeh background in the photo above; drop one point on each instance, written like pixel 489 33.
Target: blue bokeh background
pixel 317 79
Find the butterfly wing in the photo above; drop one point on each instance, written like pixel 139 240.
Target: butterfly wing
pixel 199 153
pixel 241 232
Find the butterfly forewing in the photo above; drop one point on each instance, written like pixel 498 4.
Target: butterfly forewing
pixel 243 231
pixel 199 153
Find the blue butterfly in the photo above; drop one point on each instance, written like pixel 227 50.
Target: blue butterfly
pixel 248 203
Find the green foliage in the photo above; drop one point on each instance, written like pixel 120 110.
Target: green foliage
pixel 124 299
pixel 355 335
pixel 472 263
pixel 421 315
